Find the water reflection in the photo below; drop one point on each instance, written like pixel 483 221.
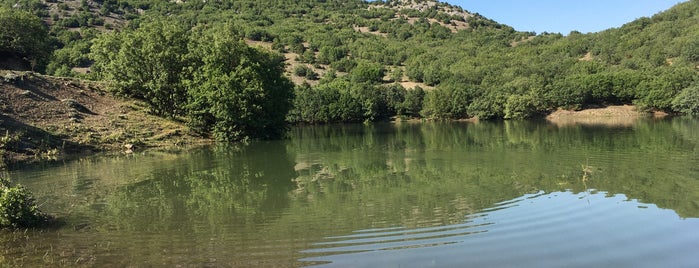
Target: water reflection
pixel 588 229
pixel 426 194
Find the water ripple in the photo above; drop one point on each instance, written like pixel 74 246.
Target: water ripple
pixel 539 230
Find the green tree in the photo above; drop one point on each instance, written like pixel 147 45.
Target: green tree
pixel 146 63
pixel 367 72
pixel 236 91
pixel 691 49
pixel 412 104
pixel 519 107
pixel 687 102
pixel 23 36
pixel 210 75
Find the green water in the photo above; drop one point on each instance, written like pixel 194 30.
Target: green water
pixel 387 195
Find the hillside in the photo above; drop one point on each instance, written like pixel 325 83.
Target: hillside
pixel 357 61
pixel 43 117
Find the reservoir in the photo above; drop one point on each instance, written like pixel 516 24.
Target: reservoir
pixel 410 194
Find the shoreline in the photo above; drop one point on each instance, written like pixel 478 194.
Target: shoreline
pixel 612 115
pixel 45 118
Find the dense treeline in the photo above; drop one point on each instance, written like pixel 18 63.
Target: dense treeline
pixel 352 52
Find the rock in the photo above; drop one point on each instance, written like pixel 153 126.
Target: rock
pixel 129 148
pixel 76 105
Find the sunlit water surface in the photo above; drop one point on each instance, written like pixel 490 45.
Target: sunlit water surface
pixel 504 194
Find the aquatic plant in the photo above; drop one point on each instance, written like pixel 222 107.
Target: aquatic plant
pixel 18 208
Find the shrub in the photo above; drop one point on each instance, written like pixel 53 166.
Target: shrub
pixel 301 70
pixel 519 107
pixel 18 208
pixel 687 102
pixel 367 72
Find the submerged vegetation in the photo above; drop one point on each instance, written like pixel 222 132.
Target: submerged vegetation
pixel 355 61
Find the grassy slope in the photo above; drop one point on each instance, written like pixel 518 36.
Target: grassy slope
pixel 45 117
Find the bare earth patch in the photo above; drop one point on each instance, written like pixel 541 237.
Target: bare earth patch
pixel 622 115
pixel 48 117
pixel 412 85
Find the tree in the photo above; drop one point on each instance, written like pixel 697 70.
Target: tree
pixel 687 102
pixel 412 105
pixel 23 36
pixel 236 91
pixel 221 84
pixel 691 50
pixel 146 63
pixel 367 72
pixel 519 107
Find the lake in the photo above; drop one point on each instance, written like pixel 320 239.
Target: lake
pixel 458 194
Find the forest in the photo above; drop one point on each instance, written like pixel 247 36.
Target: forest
pixel 246 69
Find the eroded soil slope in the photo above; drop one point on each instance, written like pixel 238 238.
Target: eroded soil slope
pixel 49 117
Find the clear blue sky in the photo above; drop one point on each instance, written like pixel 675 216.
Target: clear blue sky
pixel 563 16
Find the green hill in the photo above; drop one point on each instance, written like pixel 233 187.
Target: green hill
pixel 364 61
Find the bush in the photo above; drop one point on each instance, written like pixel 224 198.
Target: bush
pixel 301 70
pixel 412 105
pixel 18 208
pixel 367 72
pixel 687 102
pixel 519 107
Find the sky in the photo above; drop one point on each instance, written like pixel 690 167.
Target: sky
pixel 563 16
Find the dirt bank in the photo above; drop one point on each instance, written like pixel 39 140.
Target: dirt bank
pixel 621 115
pixel 48 117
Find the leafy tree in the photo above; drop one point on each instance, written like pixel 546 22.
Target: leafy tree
pixel 236 91
pixel 691 49
pixel 447 102
pixel 146 63
pixel 519 107
pixel 367 72
pixel 23 36
pixel 344 65
pixel 328 54
pixel 394 98
pixel 412 104
pixel 224 86
pixel 687 101
pixel 660 91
